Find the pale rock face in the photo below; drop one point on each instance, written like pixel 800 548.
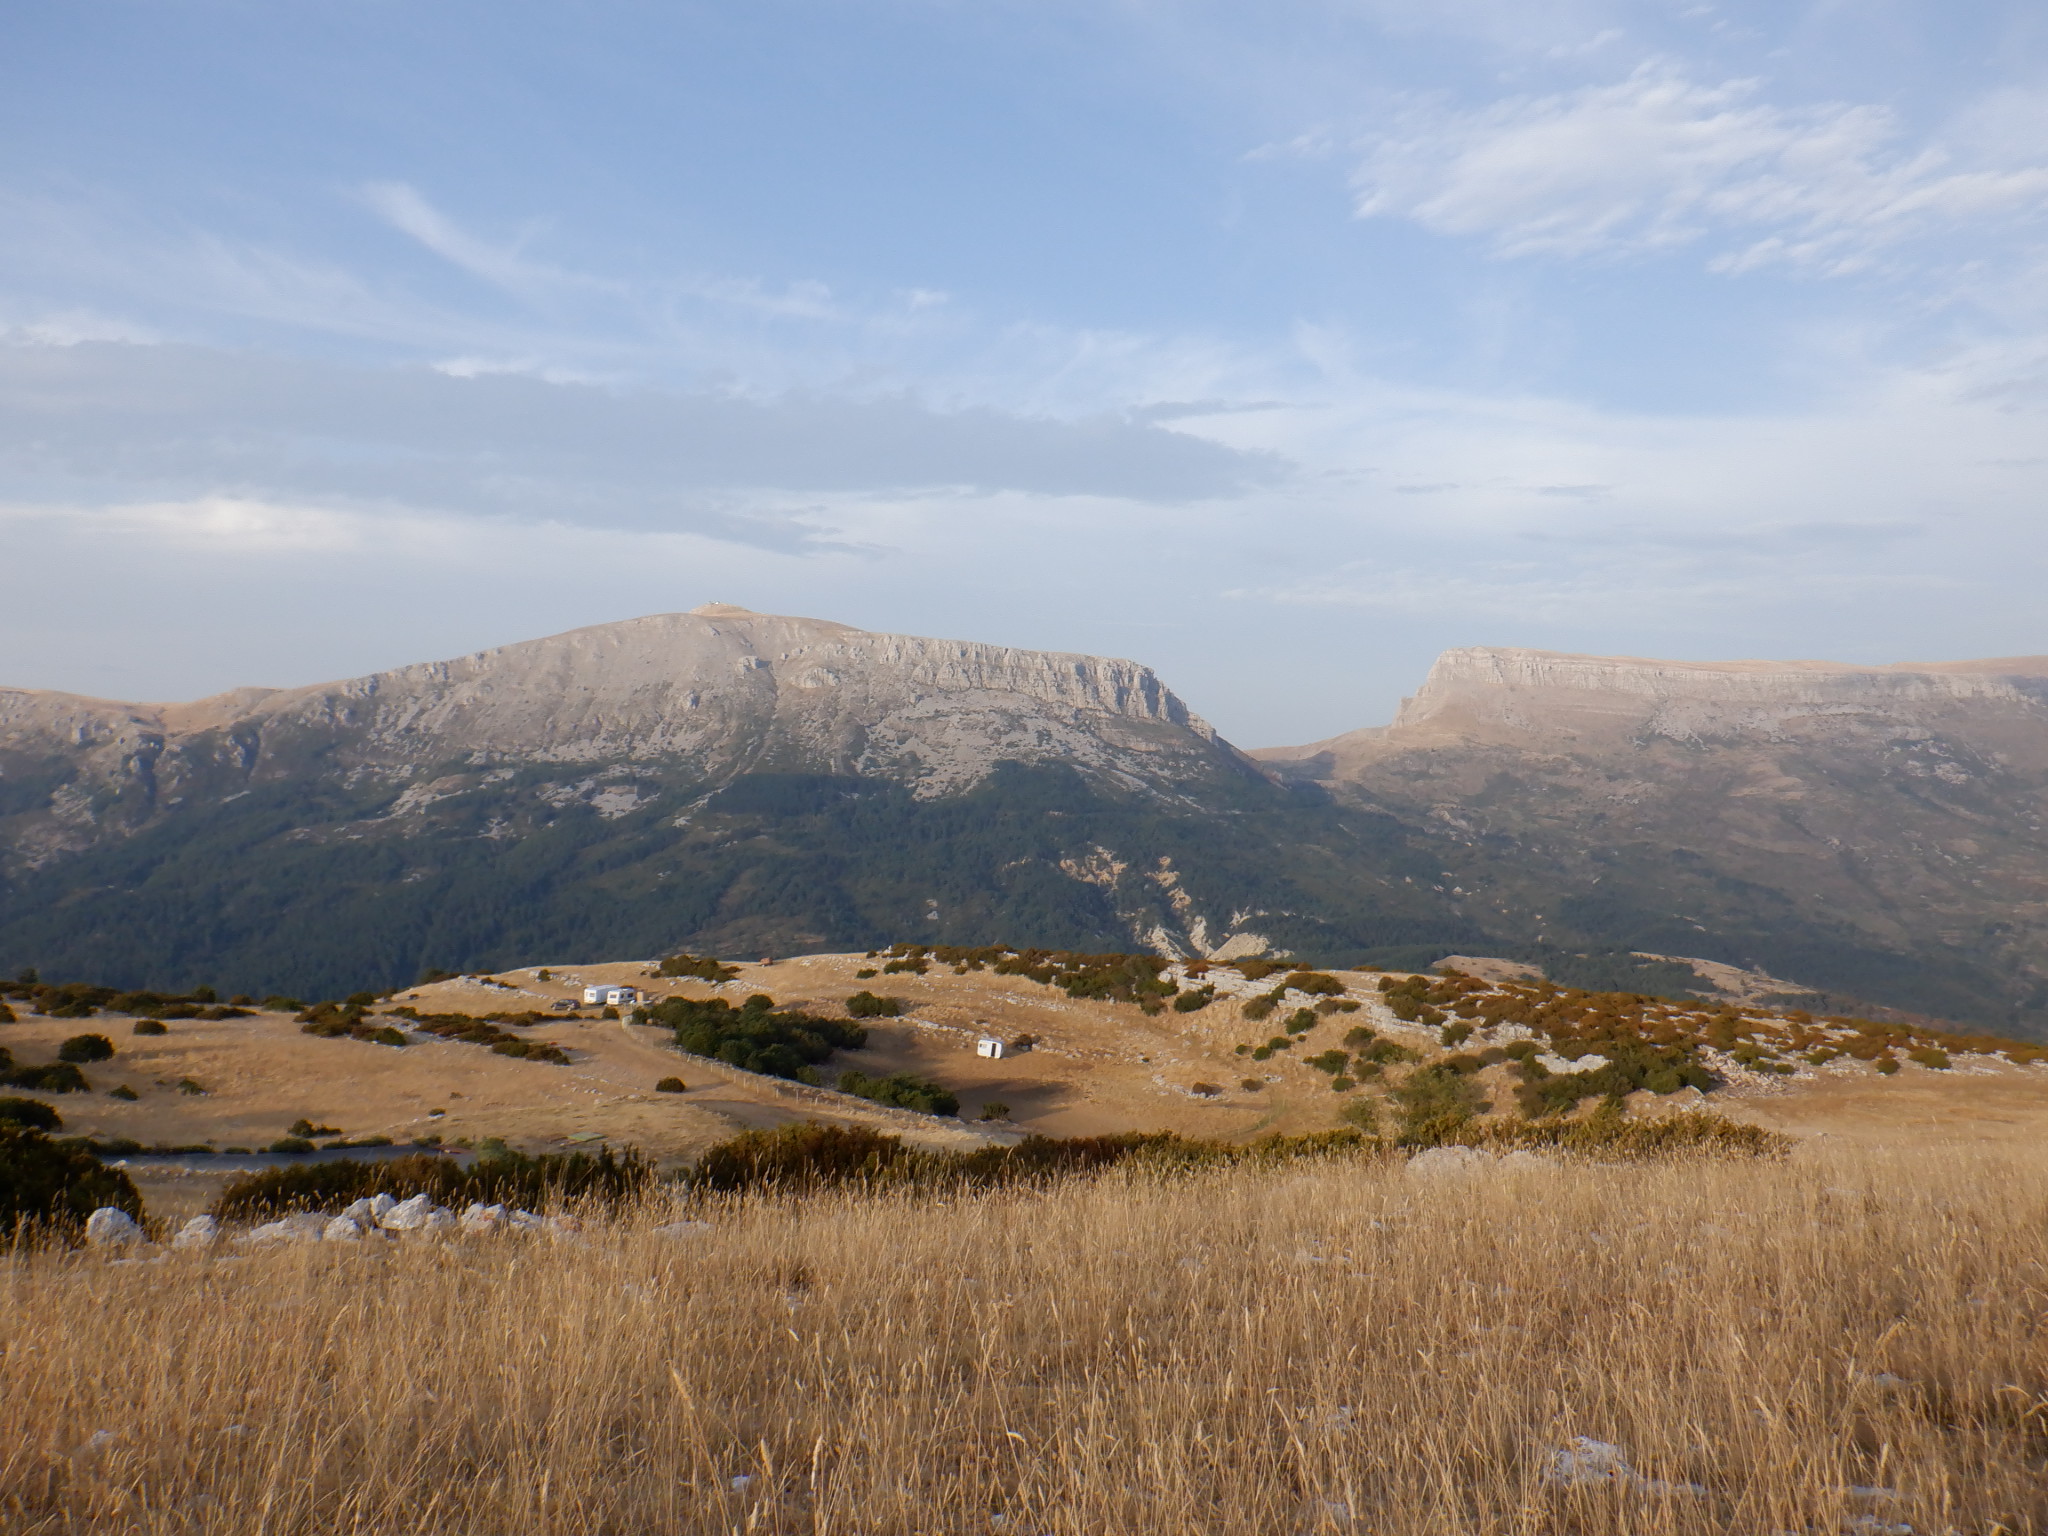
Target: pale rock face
pixel 199 1232
pixel 111 1228
pixel 1505 696
pixel 726 690
pixel 304 1227
pixel 1449 1162
pixel 342 1229
pixel 414 1215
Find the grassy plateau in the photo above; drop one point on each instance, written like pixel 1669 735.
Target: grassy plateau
pixel 1837 1341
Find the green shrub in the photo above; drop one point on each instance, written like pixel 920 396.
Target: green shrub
pixel 866 1005
pixel 1194 1002
pixel 866 974
pixel 189 1085
pixel 150 1027
pixel 1205 1090
pixel 1259 1008
pixel 1362 1115
pixel 1887 1065
pixel 290 1144
pixel 1315 983
pixel 901 1090
pixel 7 1015
pixel 30 1115
pixel 1455 1034
pixel 995 1109
pixel 1332 1062
pixel 1257 970
pixel 608 1178
pixel 797 1157
pixel 123 1092
pixel 1301 1021
pixel 1385 1053
pixel 57 1077
pixel 1342 1083
pixel 1359 1035
pixel 84 1048
pixel 755 1037
pixel 1262 1052
pixel 1436 1103
pixel 670 1085
pixel 1930 1057
pixel 53 1186
pixel 700 966
pixel 1253 1084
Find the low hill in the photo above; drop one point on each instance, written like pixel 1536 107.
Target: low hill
pixel 1228 1052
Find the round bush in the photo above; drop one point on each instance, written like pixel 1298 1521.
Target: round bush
pixel 151 1027
pixel 669 1085
pixel 30 1115
pixel 123 1092
pixel 51 1184
pixel 83 1048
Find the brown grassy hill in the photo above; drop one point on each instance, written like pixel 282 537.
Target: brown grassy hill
pixel 1261 1057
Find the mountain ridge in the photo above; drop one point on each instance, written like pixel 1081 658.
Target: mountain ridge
pixel 732 780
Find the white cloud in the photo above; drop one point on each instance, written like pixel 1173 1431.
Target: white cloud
pixel 1659 161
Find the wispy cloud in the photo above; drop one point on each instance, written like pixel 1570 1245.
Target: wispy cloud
pixel 1659 161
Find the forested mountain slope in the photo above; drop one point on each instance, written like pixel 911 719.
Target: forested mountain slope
pixel 745 783
pixel 734 781
pixel 1870 830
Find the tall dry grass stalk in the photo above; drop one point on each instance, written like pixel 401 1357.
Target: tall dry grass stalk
pixel 1322 1349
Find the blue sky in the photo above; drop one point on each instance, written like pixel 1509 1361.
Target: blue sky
pixel 1278 346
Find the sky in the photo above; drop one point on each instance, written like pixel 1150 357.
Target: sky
pixel 1280 346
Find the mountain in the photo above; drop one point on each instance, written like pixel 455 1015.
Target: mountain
pixel 1873 831
pixel 744 783
pixel 723 779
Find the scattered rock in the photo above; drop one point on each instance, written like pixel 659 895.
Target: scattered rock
pixel 111 1228
pixel 304 1227
pixel 480 1218
pixel 414 1215
pixel 1438 1162
pixel 199 1232
pixel 1588 1462
pixel 342 1229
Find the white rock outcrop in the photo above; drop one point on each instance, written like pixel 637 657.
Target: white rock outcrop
pixel 200 1232
pixel 419 1214
pixel 111 1228
pixel 1449 1162
pixel 300 1227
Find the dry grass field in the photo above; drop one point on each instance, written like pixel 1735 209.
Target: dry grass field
pixel 1850 1340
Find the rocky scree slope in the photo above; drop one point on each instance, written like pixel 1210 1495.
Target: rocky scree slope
pixel 1876 831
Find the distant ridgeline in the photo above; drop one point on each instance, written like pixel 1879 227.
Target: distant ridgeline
pixel 742 784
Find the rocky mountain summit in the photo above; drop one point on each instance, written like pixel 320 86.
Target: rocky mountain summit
pixel 721 690
pixel 737 782
pixel 1868 829
pixel 671 774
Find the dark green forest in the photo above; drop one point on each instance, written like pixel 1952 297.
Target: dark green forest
pixel 303 886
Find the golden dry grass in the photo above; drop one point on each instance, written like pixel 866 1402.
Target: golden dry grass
pixel 1336 1347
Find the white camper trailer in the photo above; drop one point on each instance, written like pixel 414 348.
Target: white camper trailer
pixel 991 1047
pixel 610 997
